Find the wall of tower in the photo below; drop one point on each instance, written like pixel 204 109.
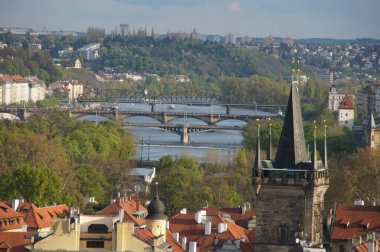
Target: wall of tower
pixel 314 213
pixel 279 213
pixel 157 227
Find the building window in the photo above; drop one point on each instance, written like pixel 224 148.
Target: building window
pixel 283 234
pixel 95 244
pixel 342 248
pixel 3 250
pixel 98 228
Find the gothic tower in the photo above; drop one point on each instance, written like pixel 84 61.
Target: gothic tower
pixel 290 189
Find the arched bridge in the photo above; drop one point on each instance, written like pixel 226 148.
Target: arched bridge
pixel 183 130
pixel 196 97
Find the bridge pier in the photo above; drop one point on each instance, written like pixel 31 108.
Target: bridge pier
pixel 228 110
pixel 165 118
pixel 185 138
pixel 153 107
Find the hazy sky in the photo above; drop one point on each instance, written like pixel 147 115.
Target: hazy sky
pixel 258 18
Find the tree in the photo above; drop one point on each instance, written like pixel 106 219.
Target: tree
pixel 91 181
pixel 39 185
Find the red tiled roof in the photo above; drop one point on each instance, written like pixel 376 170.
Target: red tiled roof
pixel 364 247
pixel 10 219
pixel 346 103
pixel 177 247
pixel 14 241
pixel 145 235
pixel 130 206
pixel 236 214
pixel 355 216
pixel 186 226
pixel 44 217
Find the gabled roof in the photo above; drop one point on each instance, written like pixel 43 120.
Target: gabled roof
pixel 15 241
pixel 44 217
pixel 186 226
pixel 130 206
pixel 291 150
pixel 351 221
pixel 10 219
pixel 346 103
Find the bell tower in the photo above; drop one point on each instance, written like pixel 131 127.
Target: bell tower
pixel 290 189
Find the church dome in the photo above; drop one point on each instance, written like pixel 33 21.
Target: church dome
pixel 156 209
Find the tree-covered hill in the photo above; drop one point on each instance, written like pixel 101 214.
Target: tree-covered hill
pixel 188 56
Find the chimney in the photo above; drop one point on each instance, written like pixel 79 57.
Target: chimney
pixel 222 227
pixel 176 236
pixel 359 202
pixel 183 211
pixel 167 224
pixel 243 208
pixel 15 203
pixel 137 200
pixel 208 227
pixel 121 215
pixel 184 243
pixel 192 246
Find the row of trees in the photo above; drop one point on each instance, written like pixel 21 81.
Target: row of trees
pixel 58 159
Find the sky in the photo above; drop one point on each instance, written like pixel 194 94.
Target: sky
pixel 340 19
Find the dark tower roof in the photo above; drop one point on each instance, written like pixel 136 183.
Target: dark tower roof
pixel 292 148
pixel 156 209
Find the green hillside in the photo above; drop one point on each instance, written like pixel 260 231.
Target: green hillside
pixel 188 56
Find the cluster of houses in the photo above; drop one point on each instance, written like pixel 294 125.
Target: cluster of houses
pixel 127 225
pixel 15 89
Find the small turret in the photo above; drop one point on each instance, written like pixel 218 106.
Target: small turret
pixel 314 154
pixel 257 164
pixel 269 153
pixel 325 149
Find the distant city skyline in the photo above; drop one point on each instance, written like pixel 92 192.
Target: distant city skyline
pixel 339 19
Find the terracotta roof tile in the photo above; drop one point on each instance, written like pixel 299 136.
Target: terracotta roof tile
pixel 364 247
pixel 177 247
pixel 355 216
pixel 44 217
pixel 346 103
pixel 10 219
pixel 130 207
pixel 186 226
pixel 15 241
pixel 145 235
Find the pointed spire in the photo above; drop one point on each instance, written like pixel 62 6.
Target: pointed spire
pixel 325 148
pixel 292 148
pixel 314 160
pixel 372 124
pixel 269 153
pixel 156 192
pixel 257 164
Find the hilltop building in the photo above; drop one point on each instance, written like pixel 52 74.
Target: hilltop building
pixel 346 113
pixel 290 188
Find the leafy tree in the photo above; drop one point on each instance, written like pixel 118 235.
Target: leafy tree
pixel 39 185
pixel 91 181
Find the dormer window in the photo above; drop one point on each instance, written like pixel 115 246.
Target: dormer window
pixel 345 223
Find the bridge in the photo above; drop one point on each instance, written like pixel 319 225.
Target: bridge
pixel 202 97
pixel 121 115
pixel 183 130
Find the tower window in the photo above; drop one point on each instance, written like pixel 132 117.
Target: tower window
pixel 283 234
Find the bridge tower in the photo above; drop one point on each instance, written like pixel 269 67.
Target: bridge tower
pixel 290 189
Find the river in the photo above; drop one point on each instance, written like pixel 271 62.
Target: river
pixel 217 145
